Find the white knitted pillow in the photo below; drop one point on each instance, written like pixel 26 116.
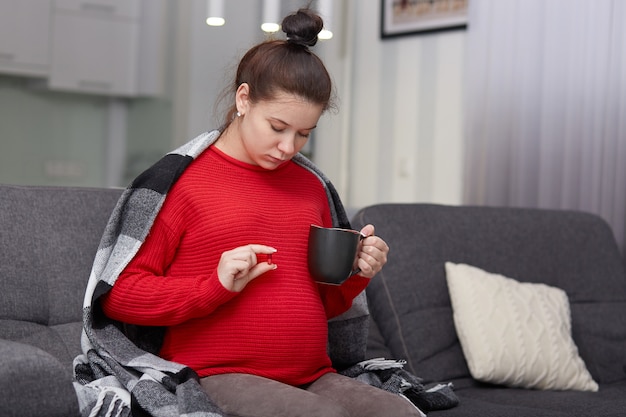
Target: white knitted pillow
pixel 513 333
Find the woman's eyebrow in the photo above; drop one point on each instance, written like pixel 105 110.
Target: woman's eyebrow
pixel 276 119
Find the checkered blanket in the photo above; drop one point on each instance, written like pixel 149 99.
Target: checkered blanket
pixel 119 371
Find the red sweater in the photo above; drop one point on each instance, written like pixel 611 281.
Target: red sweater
pixel 277 326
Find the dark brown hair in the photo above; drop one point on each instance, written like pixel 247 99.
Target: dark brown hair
pixel 285 66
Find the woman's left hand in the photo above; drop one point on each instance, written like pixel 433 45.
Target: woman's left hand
pixel 372 253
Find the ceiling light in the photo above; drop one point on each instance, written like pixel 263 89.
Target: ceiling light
pixel 325 8
pixel 271 12
pixel 215 13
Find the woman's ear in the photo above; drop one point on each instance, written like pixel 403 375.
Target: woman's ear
pixel 242 98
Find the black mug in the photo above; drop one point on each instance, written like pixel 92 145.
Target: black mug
pixel 331 253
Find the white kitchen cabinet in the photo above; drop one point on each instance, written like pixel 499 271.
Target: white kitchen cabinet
pixel 107 47
pixel 24 35
pixel 94 46
pixel 101 8
pixel 94 55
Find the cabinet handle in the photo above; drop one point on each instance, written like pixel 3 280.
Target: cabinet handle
pixel 7 56
pixel 94 85
pixel 98 8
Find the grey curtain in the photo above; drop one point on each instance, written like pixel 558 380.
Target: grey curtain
pixel 546 106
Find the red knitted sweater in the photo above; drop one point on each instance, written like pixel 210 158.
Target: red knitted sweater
pixel 277 326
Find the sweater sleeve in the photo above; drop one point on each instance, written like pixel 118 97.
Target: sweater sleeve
pixel 144 293
pixel 338 299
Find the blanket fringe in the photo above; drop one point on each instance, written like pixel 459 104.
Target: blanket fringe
pixel 116 407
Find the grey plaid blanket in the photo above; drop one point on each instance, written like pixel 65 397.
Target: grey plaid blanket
pixel 119 372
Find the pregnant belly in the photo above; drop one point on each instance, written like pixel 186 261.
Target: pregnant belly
pixel 286 342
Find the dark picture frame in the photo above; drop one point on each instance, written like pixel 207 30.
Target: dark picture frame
pixel 408 17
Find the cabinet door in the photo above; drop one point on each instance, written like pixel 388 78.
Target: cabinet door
pixel 24 34
pixel 102 8
pixel 94 55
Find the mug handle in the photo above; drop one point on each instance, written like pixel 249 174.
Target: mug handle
pixel 357 270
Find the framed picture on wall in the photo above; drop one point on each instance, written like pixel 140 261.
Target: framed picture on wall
pixel 407 17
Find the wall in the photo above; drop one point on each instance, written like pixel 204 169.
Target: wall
pixel 206 57
pixel 50 138
pixel 401 124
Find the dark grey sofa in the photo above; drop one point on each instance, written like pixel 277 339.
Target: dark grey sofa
pixel 412 315
pixel 50 235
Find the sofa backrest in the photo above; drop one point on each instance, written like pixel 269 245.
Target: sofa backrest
pixel 409 300
pixel 49 236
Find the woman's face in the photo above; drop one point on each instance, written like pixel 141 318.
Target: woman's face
pixel 272 132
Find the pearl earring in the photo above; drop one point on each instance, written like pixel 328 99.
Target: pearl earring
pixel 238 114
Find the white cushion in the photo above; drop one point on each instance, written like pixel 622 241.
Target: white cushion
pixel 513 333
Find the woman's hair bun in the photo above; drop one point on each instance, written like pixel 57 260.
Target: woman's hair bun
pixel 302 27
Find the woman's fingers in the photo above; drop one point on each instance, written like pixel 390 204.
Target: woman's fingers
pixel 373 253
pixel 239 266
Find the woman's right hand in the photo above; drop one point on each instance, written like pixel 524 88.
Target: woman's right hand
pixel 239 266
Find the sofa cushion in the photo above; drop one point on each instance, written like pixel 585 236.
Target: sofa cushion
pixel 409 299
pixel 513 333
pixel 34 383
pixel 486 400
pixel 376 347
pixel 61 341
